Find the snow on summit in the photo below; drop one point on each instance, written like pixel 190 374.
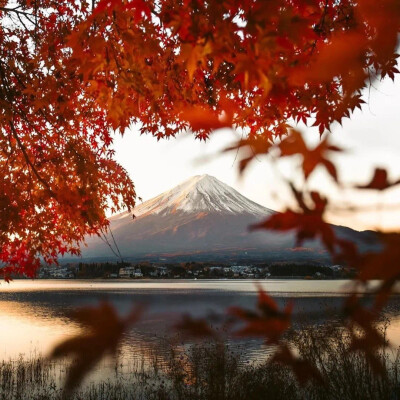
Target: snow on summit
pixel 200 193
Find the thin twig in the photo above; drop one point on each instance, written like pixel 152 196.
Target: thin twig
pixel 115 243
pixel 28 161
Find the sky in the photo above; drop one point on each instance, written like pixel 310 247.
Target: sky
pixel 371 139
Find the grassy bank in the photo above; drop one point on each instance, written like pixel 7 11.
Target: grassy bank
pixel 213 371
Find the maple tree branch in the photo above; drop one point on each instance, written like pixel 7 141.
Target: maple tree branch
pixel 26 15
pixel 8 94
pixel 9 97
pixel 22 22
pixel 32 22
pixel 28 161
pixel 153 11
pixel 16 11
pixel 319 26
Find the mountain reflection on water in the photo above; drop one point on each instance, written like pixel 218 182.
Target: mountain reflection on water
pixel 35 315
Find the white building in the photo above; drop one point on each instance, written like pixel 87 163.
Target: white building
pixel 162 271
pixel 336 268
pixel 127 272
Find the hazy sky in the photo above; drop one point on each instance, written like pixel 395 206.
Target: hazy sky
pixel 372 138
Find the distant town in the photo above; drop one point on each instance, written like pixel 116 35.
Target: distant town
pixel 193 270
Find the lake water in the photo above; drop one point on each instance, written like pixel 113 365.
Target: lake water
pixel 35 315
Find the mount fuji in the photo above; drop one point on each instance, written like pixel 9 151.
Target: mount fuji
pixel 202 218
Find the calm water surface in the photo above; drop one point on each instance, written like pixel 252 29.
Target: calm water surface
pixel 34 315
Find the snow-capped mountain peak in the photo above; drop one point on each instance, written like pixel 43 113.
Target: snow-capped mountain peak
pixel 200 193
pixel 202 218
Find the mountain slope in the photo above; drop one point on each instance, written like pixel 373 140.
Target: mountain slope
pixel 200 193
pixel 201 217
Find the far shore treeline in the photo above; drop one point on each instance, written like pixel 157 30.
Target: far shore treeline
pixel 194 270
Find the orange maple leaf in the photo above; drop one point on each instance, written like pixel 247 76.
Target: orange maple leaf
pixel 103 331
pixel 202 119
pixel 295 145
pixel 269 322
pixel 309 223
pixel 379 181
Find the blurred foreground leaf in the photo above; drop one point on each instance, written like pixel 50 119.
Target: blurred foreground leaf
pixel 103 331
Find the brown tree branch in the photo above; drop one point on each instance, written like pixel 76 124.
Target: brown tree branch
pixel 28 161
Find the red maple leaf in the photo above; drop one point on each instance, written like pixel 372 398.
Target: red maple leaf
pixel 379 181
pixel 294 145
pixel 269 322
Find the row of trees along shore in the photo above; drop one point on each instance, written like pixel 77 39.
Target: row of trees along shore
pixel 191 270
